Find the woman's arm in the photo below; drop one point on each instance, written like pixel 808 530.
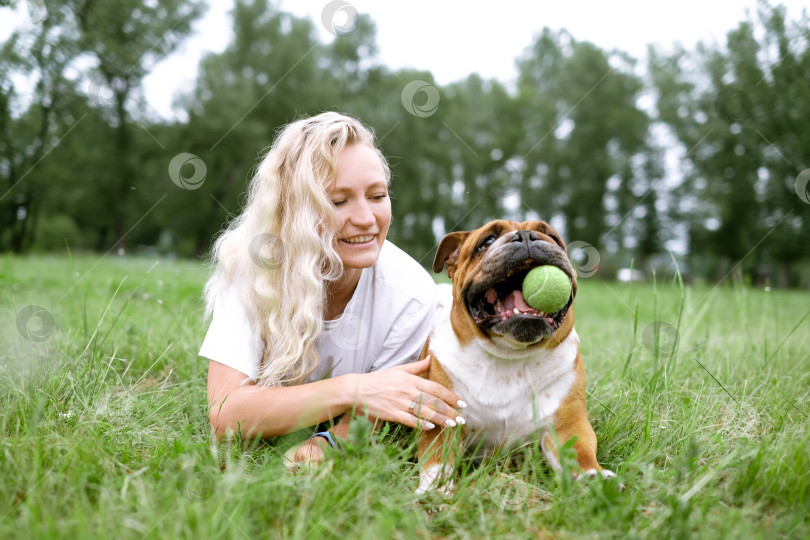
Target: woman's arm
pixel 387 394
pixel 254 410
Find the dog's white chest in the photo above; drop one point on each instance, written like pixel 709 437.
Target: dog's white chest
pixel 510 398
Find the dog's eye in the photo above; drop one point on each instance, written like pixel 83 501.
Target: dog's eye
pixel 488 241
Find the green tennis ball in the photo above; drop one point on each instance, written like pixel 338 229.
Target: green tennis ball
pixel 546 289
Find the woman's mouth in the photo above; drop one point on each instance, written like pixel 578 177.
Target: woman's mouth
pixel 359 240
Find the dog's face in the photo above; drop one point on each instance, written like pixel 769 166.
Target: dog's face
pixel 487 267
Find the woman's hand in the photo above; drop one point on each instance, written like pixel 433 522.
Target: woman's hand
pixel 399 394
pixel 309 452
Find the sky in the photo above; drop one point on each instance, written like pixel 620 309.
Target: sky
pixel 454 38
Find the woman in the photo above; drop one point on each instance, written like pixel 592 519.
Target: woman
pixel 315 315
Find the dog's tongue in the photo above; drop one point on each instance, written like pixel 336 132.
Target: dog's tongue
pixel 513 304
pixel 516 300
pixel 491 295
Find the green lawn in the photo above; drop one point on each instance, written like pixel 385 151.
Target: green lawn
pixel 104 429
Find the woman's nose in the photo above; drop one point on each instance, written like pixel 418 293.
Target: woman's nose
pixel 362 215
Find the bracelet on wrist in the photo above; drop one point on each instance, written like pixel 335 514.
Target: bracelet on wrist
pixel 326 435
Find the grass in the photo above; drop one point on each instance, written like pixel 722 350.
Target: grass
pixel 104 430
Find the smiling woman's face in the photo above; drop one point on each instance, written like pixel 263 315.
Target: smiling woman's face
pixel 360 197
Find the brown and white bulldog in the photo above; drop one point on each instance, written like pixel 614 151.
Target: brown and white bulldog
pixel 518 369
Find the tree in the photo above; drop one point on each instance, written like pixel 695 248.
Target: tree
pixel 484 134
pixel 736 109
pixel 126 38
pixel 786 155
pixel 269 76
pixel 32 125
pixel 584 131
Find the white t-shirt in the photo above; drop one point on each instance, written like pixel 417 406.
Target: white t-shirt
pixel 386 323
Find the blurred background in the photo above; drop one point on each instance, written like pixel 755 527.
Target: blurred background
pixel 133 127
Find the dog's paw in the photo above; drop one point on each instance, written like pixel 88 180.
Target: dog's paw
pixel 607 474
pixel 444 490
pixel 604 473
pixel 436 479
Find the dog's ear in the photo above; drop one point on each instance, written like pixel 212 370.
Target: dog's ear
pixel 448 252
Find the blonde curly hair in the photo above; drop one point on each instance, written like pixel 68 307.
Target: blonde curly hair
pixel 280 252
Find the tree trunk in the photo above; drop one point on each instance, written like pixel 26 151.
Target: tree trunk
pixel 11 216
pixel 122 147
pixel 784 274
pixel 101 239
pixel 18 226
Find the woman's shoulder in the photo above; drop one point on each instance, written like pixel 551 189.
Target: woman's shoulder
pixel 398 270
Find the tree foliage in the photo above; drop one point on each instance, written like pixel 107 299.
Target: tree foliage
pixel 703 151
pixel 737 110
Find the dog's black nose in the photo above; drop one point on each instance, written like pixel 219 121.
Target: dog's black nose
pixel 525 236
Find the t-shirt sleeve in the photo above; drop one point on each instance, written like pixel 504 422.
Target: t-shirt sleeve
pixel 408 336
pixel 230 340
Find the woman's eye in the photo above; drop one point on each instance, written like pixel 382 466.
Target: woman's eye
pixel 379 197
pixel 488 241
pixel 339 203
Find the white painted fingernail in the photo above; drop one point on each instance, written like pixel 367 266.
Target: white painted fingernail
pixel 450 423
pixel 461 404
pixel 429 425
pixel 460 420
